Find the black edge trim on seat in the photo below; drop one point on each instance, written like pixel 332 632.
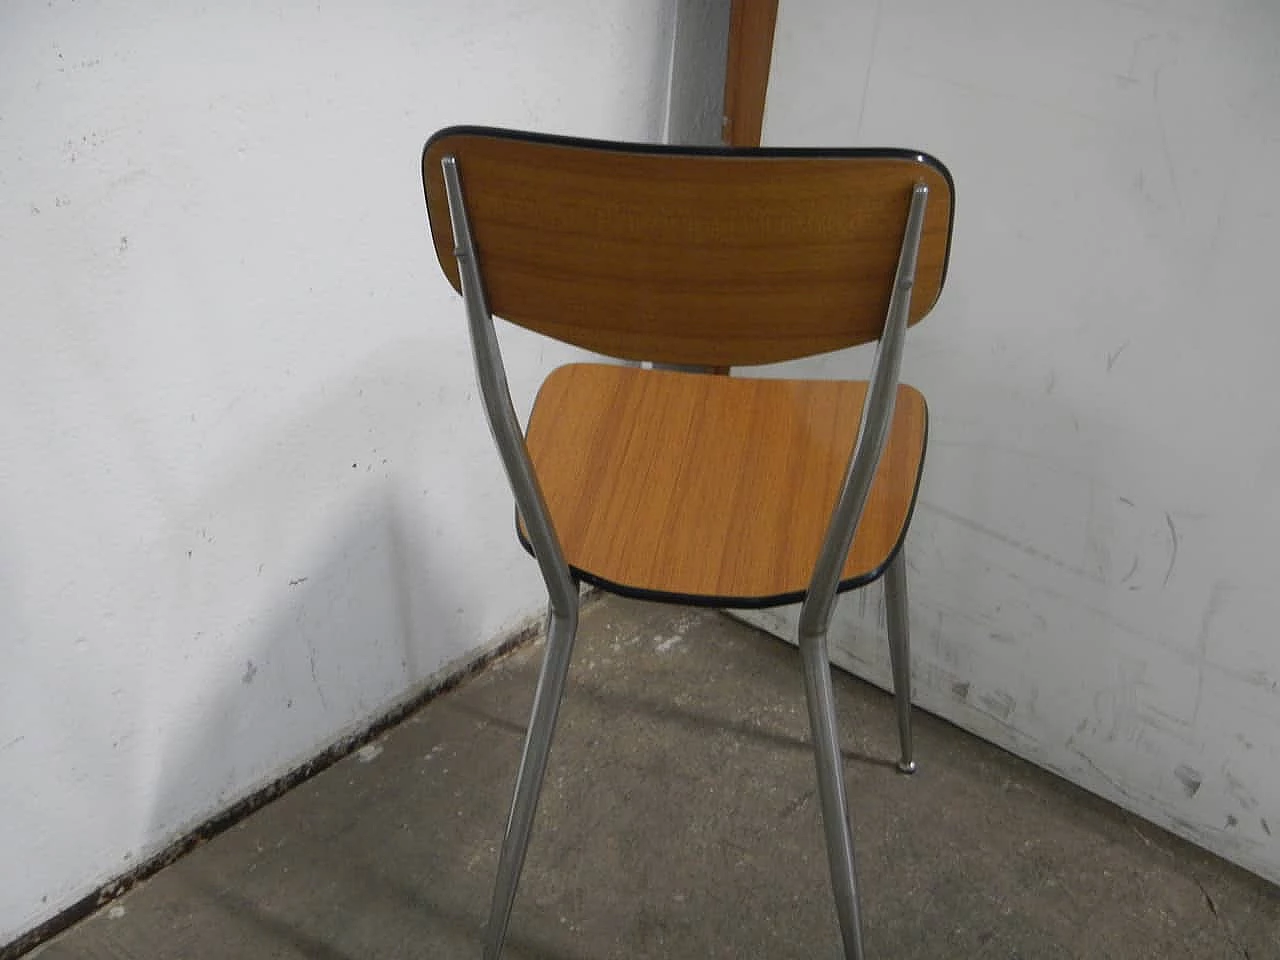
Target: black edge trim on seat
pixel 751 603
pixel 894 153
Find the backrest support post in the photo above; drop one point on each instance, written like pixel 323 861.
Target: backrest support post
pixel 496 395
pixel 873 431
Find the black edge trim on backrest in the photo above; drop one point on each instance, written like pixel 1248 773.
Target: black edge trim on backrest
pixel 664 149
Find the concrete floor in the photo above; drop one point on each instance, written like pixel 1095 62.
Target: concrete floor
pixel 679 820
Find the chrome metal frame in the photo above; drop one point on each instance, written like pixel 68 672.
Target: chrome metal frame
pixel 815 614
pixel 819 602
pixel 562 590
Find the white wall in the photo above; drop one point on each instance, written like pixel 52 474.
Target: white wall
pixel 699 55
pixel 1093 562
pixel 247 498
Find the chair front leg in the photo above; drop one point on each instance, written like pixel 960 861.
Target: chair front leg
pixel 831 793
pixel 561 631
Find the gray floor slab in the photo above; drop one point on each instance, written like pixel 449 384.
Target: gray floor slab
pixel 679 820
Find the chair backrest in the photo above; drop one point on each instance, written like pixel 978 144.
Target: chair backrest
pixel 689 255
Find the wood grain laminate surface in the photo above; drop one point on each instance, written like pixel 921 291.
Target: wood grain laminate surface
pixel 713 490
pixel 725 258
pixel 746 80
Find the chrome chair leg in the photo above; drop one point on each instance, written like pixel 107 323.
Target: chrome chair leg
pixel 561 631
pixel 835 813
pixel 895 597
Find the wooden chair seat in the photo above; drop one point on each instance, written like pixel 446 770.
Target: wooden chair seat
pixel 713 490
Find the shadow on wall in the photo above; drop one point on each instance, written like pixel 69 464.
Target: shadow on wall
pixel 362 594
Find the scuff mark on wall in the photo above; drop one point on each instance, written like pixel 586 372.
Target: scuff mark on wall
pixel 1018 545
pixel 315 679
pixel 1190 778
pixel 1213 606
pixel 1133 568
pixel 1096 771
pixel 1238 791
pixel 1173 549
pixel 999 703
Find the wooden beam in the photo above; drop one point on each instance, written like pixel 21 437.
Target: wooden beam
pixel 746 80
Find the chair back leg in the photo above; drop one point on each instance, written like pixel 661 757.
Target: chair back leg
pixel 895 600
pixel 561 631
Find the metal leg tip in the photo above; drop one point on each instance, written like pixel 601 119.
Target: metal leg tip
pixel 907 766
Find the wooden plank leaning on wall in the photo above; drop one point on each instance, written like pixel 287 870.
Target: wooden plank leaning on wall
pixel 746 74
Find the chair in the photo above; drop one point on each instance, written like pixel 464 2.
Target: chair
pixel 687 487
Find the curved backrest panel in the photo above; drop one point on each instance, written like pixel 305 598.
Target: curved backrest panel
pixel 689 256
